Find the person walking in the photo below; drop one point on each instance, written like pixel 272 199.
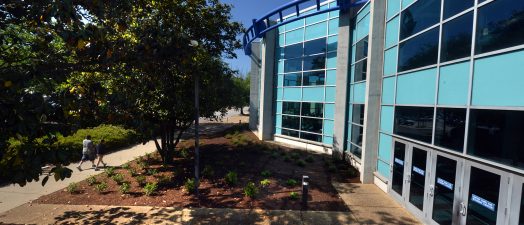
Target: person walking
pixel 100 152
pixel 88 150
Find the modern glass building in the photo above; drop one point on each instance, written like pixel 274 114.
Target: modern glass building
pixel 424 97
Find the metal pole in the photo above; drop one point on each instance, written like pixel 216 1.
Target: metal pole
pixel 197 117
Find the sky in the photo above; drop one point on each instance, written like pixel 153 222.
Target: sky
pixel 244 11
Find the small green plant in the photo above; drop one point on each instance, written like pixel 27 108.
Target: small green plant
pixel 164 179
pixel 208 171
pixel 190 185
pixel 118 178
pixel 293 195
pixel 125 188
pixel 110 171
pixel 231 178
pixel 291 182
pixel 133 172
pixel 250 190
pixel 141 180
pixel 282 153
pixel 287 159
pixel 301 163
pixel 184 153
pixel 266 173
pixel 150 188
pixel 72 188
pixel 101 187
pixel 152 172
pixel 310 159
pixel 126 166
pixel 274 155
pixel 265 182
pixel 142 165
pixel 91 180
pixel 295 156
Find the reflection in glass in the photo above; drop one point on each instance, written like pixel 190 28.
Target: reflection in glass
pixel 444 190
pixel 418 178
pixel 398 167
pixel 449 128
pixel 358 113
pixel 483 197
pixel 419 16
pixel 312 109
pixel 355 150
pixel 292 79
pixel 419 51
pixel 356 134
pixel 500 24
pixel 315 47
pixel 293 51
pixel 314 78
pixel 361 49
pixel 290 133
pixel 292 65
pixel 291 122
pixel 311 137
pixel 312 125
pixel 456 38
pixel 453 7
pixel 414 122
pixel 291 108
pixel 315 62
pixel 361 70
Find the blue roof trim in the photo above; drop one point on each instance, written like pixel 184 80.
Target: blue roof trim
pixel 263 25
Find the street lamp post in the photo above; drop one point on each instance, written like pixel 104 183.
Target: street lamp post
pixel 194 43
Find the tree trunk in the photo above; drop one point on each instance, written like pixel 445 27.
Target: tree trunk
pixel 242 111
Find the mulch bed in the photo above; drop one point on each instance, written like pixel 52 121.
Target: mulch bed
pixel 240 152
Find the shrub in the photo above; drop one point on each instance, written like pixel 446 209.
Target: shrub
pixel 310 159
pixel 110 171
pixel 126 166
pixel 125 188
pixel 265 182
pixel 141 180
pixel 118 178
pixel 291 182
pixel 142 165
pixel 164 179
pixel 274 155
pixel 72 188
pixel 150 188
pixel 231 178
pixel 152 172
pixel 293 195
pixel 184 153
pixel 301 163
pixel 287 159
pixel 91 180
pixel 133 172
pixel 251 190
pixel 295 156
pixel 208 171
pixel 190 185
pixel 266 173
pixel 101 187
pixel 282 153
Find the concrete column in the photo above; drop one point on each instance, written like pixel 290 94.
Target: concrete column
pixel 267 115
pixel 373 91
pixel 254 92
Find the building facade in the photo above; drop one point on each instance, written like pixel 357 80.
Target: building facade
pixel 424 97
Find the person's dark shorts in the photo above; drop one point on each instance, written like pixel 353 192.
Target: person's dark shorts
pixel 88 156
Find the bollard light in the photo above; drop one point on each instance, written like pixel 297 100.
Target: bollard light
pixel 305 190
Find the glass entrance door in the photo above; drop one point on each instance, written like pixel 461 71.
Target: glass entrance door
pixel 418 179
pixel 398 180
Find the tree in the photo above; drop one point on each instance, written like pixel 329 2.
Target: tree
pixel 241 92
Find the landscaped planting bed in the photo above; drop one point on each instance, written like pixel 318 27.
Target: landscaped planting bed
pixel 238 171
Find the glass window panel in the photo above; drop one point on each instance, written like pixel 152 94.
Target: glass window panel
pixel 315 47
pixel 356 134
pixel 497 135
pixel 452 7
pixel 332 43
pixel 444 190
pixel 292 65
pixel 293 51
pixel 290 133
pixel 419 51
pixel 314 78
pixel 361 70
pixel 315 62
pixel 521 215
pixel 414 122
pixel 292 79
pixel 292 122
pixel 358 113
pixel 483 194
pixel 311 137
pixel 456 38
pixel 419 16
pixel 418 178
pixel 500 24
pixel 449 128
pixel 361 49
pixel 312 109
pixel 291 108
pixel 399 153
pixel 312 125
pixel 356 151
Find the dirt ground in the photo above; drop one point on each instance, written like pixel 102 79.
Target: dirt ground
pixel 234 150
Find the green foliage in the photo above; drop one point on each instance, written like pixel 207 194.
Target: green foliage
pixel 133 172
pixel 265 173
pixel 91 180
pixel 164 179
pixel 282 153
pixel 208 171
pixel 126 166
pixel 287 159
pixel 125 188
pixel 142 165
pixel 291 182
pixel 190 185
pixel 150 189
pixel 184 153
pixel 251 190
pixel 295 156
pixel 274 155
pixel 152 172
pixel 231 178
pixel 301 163
pixel 118 178
pixel 110 171
pixel 141 180
pixel 72 188
pixel 240 140
pixel 101 187
pixel 293 195
pixel 265 182
pixel 310 159
pixel 241 91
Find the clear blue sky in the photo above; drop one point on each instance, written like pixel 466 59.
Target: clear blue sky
pixel 244 11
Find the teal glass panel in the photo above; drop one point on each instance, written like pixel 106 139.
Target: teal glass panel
pixel 292 94
pixel 294 25
pixel 281 40
pixel 351 94
pixel 317 18
pixel 353 53
pixel 384 147
pixel 281 29
pixel 331 60
pixel 363 27
pixel 278 130
pixel 328 127
pixel 330 94
pixel 406 3
pixel 393 8
pixel 453 84
pixel 390 61
pixel 359 93
pixel 280 81
pixel 279 53
pixel 363 12
pixel 334 14
pixel 498 80
pixel 314 94
pixel 352 72
pixel 417 87
pixel 383 169
pixel 388 91
pixel 331 77
pixel 278 121
pixel 392 28
pixel 327 140
pixel 295 36
pixel 329 111
pixel 332 43
pixel 280 94
pixel 333 26
pixel 316 31
pixel 281 66
pixel 279 107
pixel 386 119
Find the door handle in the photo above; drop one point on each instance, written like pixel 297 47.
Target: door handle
pixel 408 179
pixel 462 209
pixel 431 190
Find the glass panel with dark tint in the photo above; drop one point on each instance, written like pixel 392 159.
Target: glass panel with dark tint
pixel 311 137
pixel 361 70
pixel 290 133
pixel 314 78
pixel 419 51
pixel 358 113
pixel 356 151
pixel 414 122
pixel 291 108
pixel 293 51
pixel 361 49
pixel 291 122
pixel 419 16
pixel 292 79
pixel 312 125
pixel 497 135
pixel 521 215
pixel 292 65
pixel 312 109
pixel 418 178
pixel 356 134
pixel 453 7
pixel 500 24
pixel 397 183
pixel 315 47
pixel 456 38
pixel 315 62
pixel 483 197
pixel 450 127
pixel 444 196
